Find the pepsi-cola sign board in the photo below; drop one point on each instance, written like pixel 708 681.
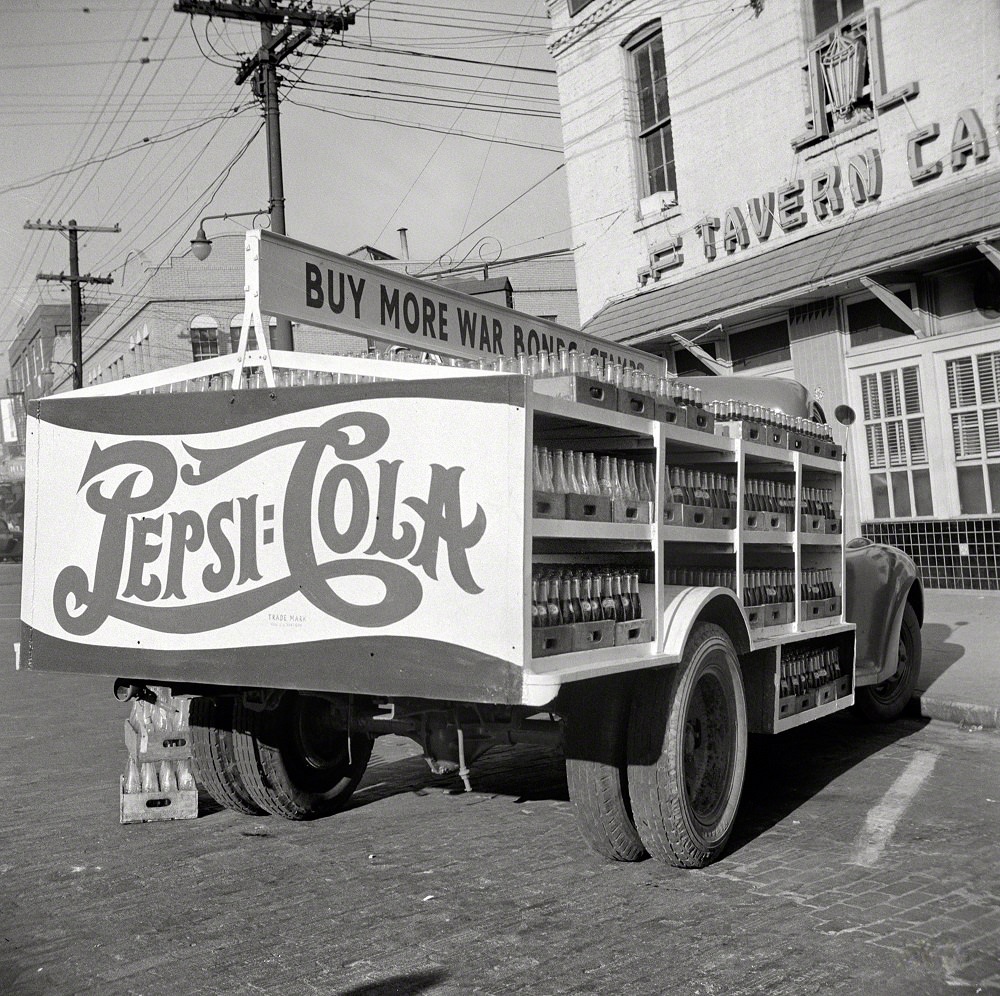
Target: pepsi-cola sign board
pixel 186 523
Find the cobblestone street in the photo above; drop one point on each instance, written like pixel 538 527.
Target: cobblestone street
pixel 422 888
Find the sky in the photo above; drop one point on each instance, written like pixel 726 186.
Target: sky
pixel 441 118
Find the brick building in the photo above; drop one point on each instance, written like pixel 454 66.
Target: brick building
pixel 808 188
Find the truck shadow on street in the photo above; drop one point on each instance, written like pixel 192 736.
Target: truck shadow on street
pixel 786 771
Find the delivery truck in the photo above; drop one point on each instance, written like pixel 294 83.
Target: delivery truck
pixel 531 536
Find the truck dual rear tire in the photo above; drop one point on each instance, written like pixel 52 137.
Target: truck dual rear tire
pixel 596 717
pixel 687 747
pixel 214 754
pixel 293 761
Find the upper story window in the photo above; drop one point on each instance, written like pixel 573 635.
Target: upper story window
pixel 204 337
pixel 760 346
pixel 869 320
pixel 827 13
pixel 656 139
pixel 575 6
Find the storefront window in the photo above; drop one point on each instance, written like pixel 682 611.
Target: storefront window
pixel 656 141
pixel 896 440
pixel 974 403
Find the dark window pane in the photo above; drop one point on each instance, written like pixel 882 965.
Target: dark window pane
pixel 575 6
pixel 922 492
pixel 880 496
pixel 644 82
pixel 655 170
pixel 901 494
pixel 659 78
pixel 756 347
pixel 872 321
pixel 971 490
pixel 826 14
pixel 668 156
pixel 993 470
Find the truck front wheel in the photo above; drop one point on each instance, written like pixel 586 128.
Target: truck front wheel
pixel 294 761
pixel 687 751
pixel 887 700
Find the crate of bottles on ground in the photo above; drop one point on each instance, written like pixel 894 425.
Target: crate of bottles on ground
pixel 768 596
pixel 811 675
pixel 584 486
pixel 159 783
pixel 586 608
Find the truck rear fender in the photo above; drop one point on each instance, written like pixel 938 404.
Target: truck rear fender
pixel 687 606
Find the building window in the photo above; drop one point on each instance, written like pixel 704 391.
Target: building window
pixel 869 320
pixel 974 403
pixel 204 337
pixel 236 324
pixel 828 13
pixel 575 6
pixel 760 346
pixel 899 470
pixel 656 140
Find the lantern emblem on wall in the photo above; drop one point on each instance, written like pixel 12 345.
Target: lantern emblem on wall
pixel 844 62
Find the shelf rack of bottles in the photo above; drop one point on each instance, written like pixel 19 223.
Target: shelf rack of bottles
pixel 762 520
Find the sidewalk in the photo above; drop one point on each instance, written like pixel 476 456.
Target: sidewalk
pixel 960 675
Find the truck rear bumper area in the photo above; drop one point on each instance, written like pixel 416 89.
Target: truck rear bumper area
pixel 376 665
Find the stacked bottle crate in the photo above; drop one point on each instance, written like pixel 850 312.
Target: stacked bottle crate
pixel 699 498
pixel 570 484
pixel 159 782
pixel 810 676
pixel 760 424
pixel 577 607
pixel 768 506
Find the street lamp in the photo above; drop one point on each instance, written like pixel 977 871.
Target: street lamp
pixel 201 244
pixel 48 376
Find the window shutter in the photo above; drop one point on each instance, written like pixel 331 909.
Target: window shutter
pixel 991 431
pixel 911 391
pixel 988 364
pixel 876 446
pixel 965 428
pixel 869 395
pixel 961 383
pixel 896 443
pixel 890 393
pixel 916 439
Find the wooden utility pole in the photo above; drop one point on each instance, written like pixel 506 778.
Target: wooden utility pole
pixel 74 279
pixel 274 49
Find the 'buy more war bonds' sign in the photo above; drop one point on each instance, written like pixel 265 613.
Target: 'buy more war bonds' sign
pixel 323 288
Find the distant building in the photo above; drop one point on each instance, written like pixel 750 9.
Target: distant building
pixel 41 338
pixel 808 188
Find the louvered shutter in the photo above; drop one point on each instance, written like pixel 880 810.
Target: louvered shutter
pixel 965 428
pixel 911 391
pixel 869 397
pixel 890 393
pixel 917 440
pixel 961 383
pixel 876 446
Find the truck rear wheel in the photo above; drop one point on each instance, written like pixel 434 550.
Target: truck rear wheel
pixel 596 717
pixel 887 700
pixel 214 754
pixel 687 751
pixel 293 760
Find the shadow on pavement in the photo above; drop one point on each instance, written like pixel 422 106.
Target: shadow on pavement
pixel 786 770
pixel 401 985
pixel 525 773
pixel 939 651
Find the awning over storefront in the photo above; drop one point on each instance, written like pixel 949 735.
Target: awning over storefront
pixel 934 223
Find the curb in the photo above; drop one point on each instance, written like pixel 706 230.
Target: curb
pixel 963 713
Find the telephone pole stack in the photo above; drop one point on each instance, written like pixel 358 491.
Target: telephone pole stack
pixel 263 66
pixel 74 279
